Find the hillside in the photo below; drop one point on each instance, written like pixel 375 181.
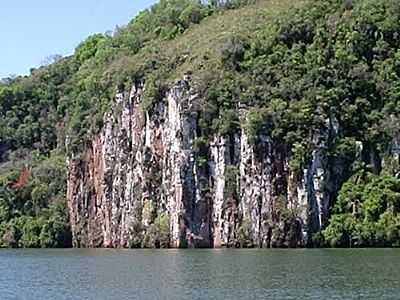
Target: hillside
pixel 240 124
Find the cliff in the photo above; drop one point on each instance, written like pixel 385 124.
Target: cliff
pixel 230 193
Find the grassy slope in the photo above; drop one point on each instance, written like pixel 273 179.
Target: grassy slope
pixel 207 38
pixel 199 47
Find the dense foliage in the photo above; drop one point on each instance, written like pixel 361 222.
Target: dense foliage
pixel 32 164
pixel 291 70
pixel 32 203
pixel 367 212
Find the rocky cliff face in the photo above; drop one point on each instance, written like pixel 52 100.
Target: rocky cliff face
pixel 229 193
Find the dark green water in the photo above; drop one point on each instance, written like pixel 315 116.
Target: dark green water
pixel 200 274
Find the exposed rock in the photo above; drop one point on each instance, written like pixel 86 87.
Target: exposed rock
pixel 142 165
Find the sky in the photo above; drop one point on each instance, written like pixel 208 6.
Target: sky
pixel 31 30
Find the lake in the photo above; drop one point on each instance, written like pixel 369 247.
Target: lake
pixel 200 274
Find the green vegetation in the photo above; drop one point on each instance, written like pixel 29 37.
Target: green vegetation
pixel 367 212
pixel 288 66
pixel 245 234
pixel 32 204
pixel 157 234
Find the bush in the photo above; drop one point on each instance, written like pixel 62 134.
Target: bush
pixel 136 236
pixel 366 212
pixel 232 52
pixel 33 209
pixel 88 48
pixel 158 234
pixel 245 235
pixel 257 120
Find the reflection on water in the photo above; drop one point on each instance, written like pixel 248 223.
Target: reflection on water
pixel 200 274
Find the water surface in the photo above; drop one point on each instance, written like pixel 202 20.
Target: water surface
pixel 200 274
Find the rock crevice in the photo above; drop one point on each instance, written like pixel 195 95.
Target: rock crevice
pixel 234 193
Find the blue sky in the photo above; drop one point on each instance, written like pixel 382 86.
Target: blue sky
pixel 31 30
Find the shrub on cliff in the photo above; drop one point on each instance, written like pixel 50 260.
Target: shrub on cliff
pixel 233 51
pixel 245 237
pixel 157 234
